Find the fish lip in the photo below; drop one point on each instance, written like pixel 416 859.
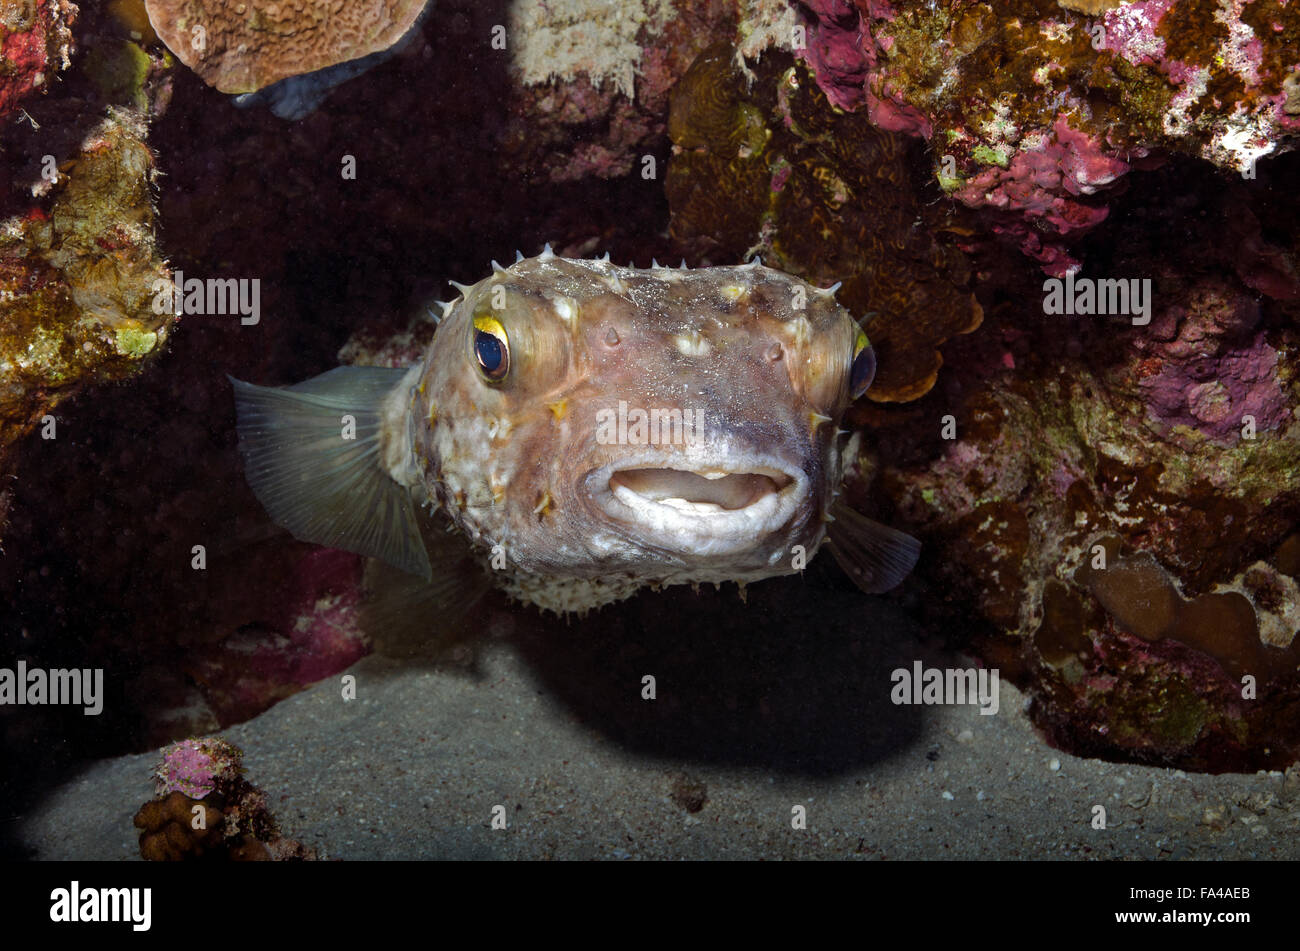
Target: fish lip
pixel 704 533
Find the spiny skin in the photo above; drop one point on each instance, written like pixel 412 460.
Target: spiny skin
pixel 762 358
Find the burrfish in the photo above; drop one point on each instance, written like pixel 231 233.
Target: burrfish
pixel 588 430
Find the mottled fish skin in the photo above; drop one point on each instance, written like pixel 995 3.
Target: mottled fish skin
pixel 517 464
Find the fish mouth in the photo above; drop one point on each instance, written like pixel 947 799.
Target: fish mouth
pixel 700 493
pixel 702 507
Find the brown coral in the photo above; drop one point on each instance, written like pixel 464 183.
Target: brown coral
pixel 169 832
pixel 1144 600
pixel 240 47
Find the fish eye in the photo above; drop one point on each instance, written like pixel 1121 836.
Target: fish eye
pixel 491 348
pixel 863 370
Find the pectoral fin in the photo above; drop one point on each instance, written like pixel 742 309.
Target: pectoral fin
pixel 312 457
pixel 876 557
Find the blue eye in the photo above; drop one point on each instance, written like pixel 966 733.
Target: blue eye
pixel 863 370
pixel 491 357
pixel 491 348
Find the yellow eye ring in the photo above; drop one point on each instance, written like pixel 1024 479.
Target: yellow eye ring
pixel 863 368
pixel 491 348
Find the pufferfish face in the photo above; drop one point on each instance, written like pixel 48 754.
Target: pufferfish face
pixel 660 425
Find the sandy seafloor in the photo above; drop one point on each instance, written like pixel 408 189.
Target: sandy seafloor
pixel 777 703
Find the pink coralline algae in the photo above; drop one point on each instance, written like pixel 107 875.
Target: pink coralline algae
pixel 1033 118
pixel 308 633
pixel 1207 367
pixel 321 641
pixel 196 767
pixel 1043 185
pixel 843 54
pixel 1131 31
pixel 840 51
pixel 35 42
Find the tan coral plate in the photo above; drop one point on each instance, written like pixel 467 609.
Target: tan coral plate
pixel 240 46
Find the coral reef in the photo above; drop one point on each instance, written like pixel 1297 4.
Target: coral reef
pixel 1033 111
pixel 241 47
pixel 206 810
pixel 1114 501
pixel 890 160
pixel 78 251
pixel 1172 445
pixel 766 166
pixel 77 276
